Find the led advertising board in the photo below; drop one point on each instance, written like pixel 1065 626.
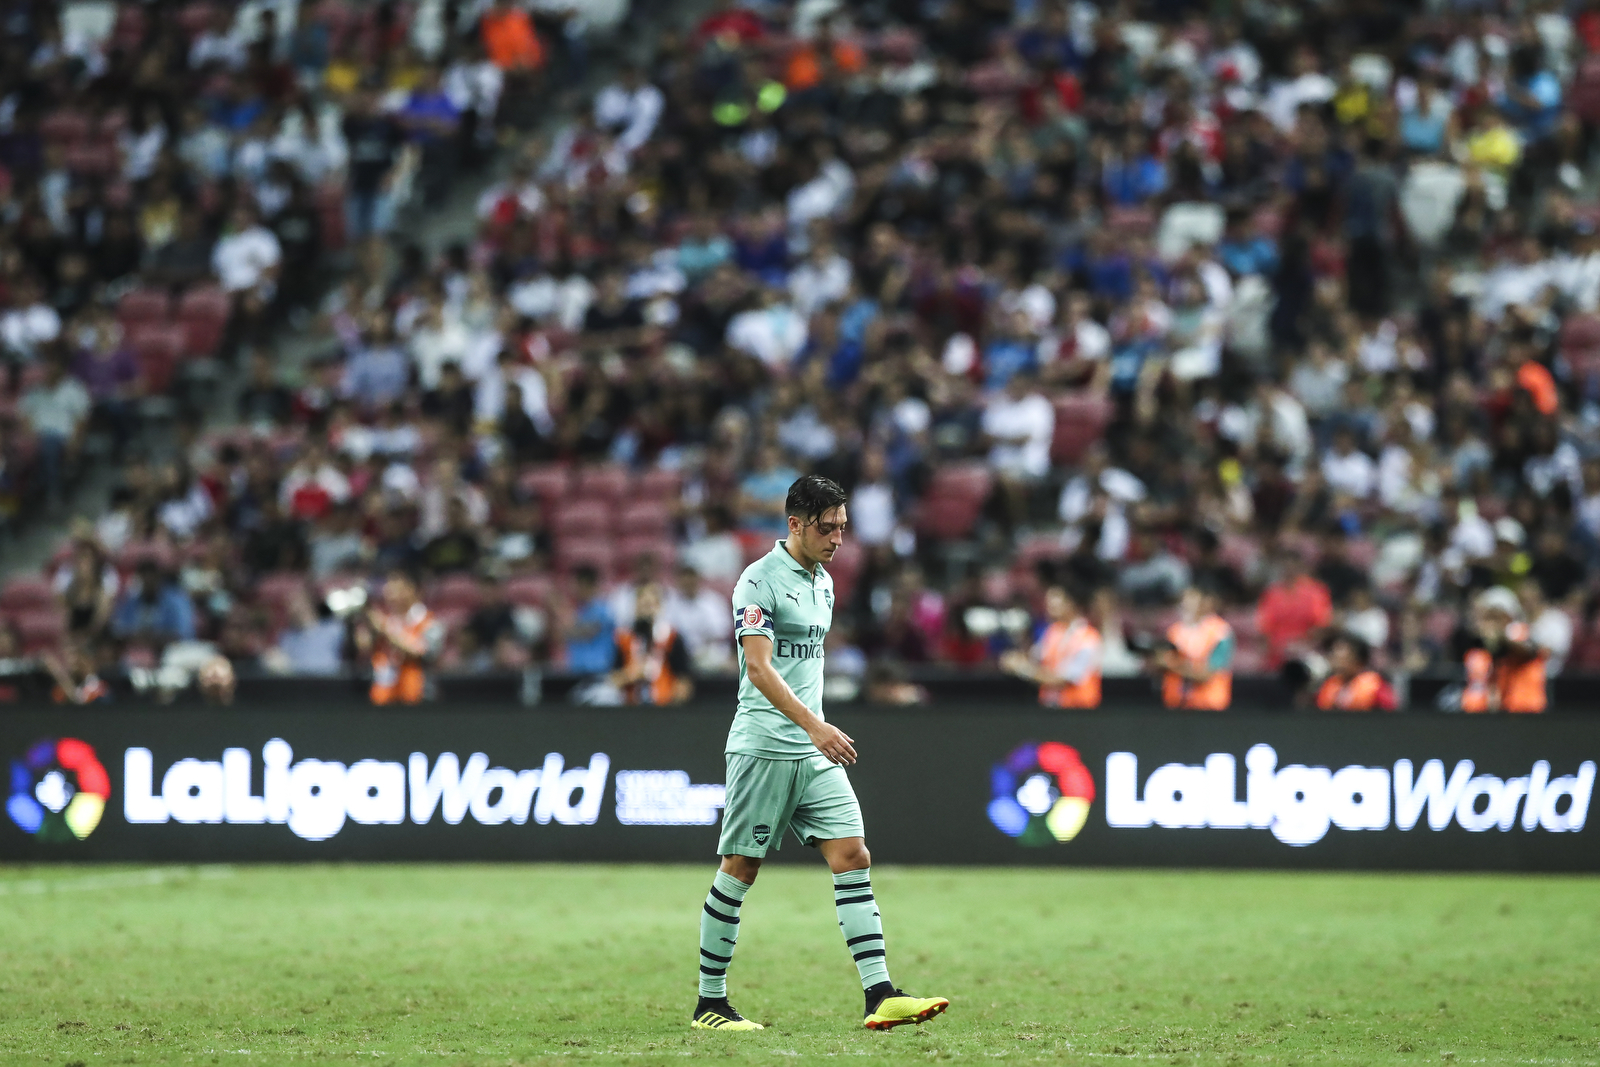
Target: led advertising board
pixel 949 786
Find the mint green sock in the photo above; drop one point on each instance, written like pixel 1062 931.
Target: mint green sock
pixel 719 930
pixel 862 925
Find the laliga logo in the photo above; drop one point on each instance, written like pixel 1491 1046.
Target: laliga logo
pixel 1041 793
pixel 1299 803
pixel 58 790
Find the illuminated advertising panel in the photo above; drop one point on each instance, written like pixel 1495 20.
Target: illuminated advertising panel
pixel 936 785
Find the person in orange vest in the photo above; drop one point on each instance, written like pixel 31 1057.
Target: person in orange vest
pixel 1197 671
pixel 509 38
pixel 1065 661
pixel 403 636
pixel 654 661
pixel 1506 673
pixel 1352 685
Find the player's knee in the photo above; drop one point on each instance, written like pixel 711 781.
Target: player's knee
pixel 744 868
pixel 852 859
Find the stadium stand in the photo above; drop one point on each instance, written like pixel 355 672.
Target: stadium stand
pixel 1121 298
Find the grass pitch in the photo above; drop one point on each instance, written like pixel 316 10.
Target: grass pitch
pixel 526 964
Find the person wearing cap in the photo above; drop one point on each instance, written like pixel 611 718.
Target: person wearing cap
pixel 1352 684
pixel 1507 671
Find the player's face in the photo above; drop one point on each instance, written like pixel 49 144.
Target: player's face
pixel 821 539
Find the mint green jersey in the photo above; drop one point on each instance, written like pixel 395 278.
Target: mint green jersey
pixel 781 600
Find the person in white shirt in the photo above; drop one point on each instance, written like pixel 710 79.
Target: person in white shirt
pixel 820 279
pixel 825 194
pixel 631 107
pixel 29 323
pixel 872 512
pixel 1020 424
pixel 773 332
pixel 246 258
pixel 700 616
pixel 437 340
pixel 1349 470
pixel 1549 628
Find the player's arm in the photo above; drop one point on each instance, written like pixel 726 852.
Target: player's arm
pixel 831 741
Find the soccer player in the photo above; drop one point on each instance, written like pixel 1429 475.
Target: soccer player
pixel 786 765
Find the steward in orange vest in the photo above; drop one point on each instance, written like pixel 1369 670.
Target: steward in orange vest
pixel 1507 672
pixel 1352 685
pixel 654 664
pixel 403 638
pixel 1197 671
pixel 1066 658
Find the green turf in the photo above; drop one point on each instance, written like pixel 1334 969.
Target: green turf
pixel 518 964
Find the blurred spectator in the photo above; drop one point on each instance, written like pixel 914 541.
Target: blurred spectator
pixel 1550 629
pixel 1293 607
pixel 1197 663
pixel 699 615
pixel 312 643
pixel 403 638
pixel 1066 660
pixel 653 664
pixel 591 643
pixel 154 610
pixel 1505 671
pixel 57 411
pixel 1352 685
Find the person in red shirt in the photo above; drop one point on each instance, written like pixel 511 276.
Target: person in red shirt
pixel 1293 608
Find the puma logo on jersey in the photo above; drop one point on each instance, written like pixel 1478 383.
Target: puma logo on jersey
pixel 793 597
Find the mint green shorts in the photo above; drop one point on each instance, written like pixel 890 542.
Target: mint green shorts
pixel 811 797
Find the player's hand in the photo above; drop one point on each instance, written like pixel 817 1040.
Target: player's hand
pixel 833 743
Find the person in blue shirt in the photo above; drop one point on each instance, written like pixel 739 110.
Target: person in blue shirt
pixel 1532 98
pixel 591 642
pixel 763 491
pixel 1134 175
pixel 154 610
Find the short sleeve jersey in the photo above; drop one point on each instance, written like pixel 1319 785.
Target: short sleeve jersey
pixel 779 599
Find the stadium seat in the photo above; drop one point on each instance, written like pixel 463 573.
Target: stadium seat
pixel 954 500
pixel 845 570
pixel 330 214
pixel 1081 420
pixel 203 314
pixel 590 552
pixel 531 590
pixel 40 629
pixel 65 126
pixel 23 593
pixel 136 552
pixel 578 518
pixel 274 590
pixel 93 159
pixel 644 517
pixel 604 482
pixel 547 481
pixel 631 546
pixel 158 347
pixel 141 307
pixel 657 484
pixel 455 591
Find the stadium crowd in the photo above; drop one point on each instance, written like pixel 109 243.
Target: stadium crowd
pixel 1270 332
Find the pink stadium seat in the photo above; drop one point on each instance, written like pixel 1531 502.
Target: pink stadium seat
pixel 1081 420
pixel 593 553
pixel 954 500
pixel 159 350
pixel 644 517
pixel 605 482
pixel 579 518
pixel 203 314
pixel 632 546
pixel 23 593
pixel 547 481
pixel 530 590
pixel 40 628
pixel 455 591
pixel 656 484
pixel 140 307
pixel 65 126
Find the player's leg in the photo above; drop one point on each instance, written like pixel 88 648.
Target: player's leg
pixel 760 796
pixel 829 816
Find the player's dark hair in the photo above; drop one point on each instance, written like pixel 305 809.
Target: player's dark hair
pixel 811 496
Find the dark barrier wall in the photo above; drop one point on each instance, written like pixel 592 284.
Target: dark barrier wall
pixel 951 786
